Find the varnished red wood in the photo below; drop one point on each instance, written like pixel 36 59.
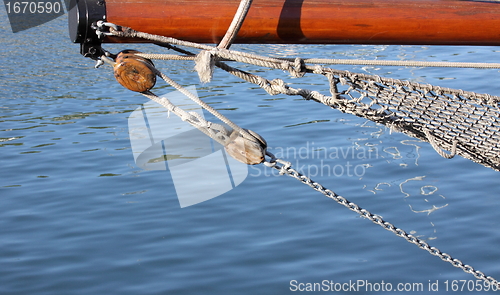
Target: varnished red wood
pixel 431 22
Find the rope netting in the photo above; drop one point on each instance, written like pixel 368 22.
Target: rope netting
pixel 463 123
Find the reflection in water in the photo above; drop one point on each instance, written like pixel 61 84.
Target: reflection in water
pixel 305 123
pixel 377 187
pixel 417 191
pixel 394 152
pixel 425 203
pixel 416 154
pixel 423 199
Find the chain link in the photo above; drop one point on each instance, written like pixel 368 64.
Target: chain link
pixel 284 167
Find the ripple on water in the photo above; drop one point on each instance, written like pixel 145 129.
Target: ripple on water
pixel 78 216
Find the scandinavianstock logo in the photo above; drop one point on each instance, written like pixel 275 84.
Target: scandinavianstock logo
pixel 24 14
pixel 315 160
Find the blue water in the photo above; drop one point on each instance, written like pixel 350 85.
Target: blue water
pixel 77 216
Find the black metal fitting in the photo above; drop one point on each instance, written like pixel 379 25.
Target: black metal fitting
pixel 82 22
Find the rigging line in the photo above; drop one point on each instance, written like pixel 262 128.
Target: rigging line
pixel 399 63
pixel 212 130
pixel 125 32
pixel 247 134
pixel 197 100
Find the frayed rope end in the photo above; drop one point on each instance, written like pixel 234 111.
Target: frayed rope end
pixel 204 65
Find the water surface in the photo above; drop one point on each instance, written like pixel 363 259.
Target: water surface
pixel 79 217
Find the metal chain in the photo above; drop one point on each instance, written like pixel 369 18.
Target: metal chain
pixel 284 167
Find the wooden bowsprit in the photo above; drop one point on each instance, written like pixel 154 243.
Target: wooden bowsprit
pixel 425 22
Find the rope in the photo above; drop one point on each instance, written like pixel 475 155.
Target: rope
pixel 247 134
pixel 399 63
pixel 284 167
pixel 235 26
pixel 215 131
pixel 126 32
pixel 166 56
pixel 403 63
pixel 434 144
pixel 205 60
